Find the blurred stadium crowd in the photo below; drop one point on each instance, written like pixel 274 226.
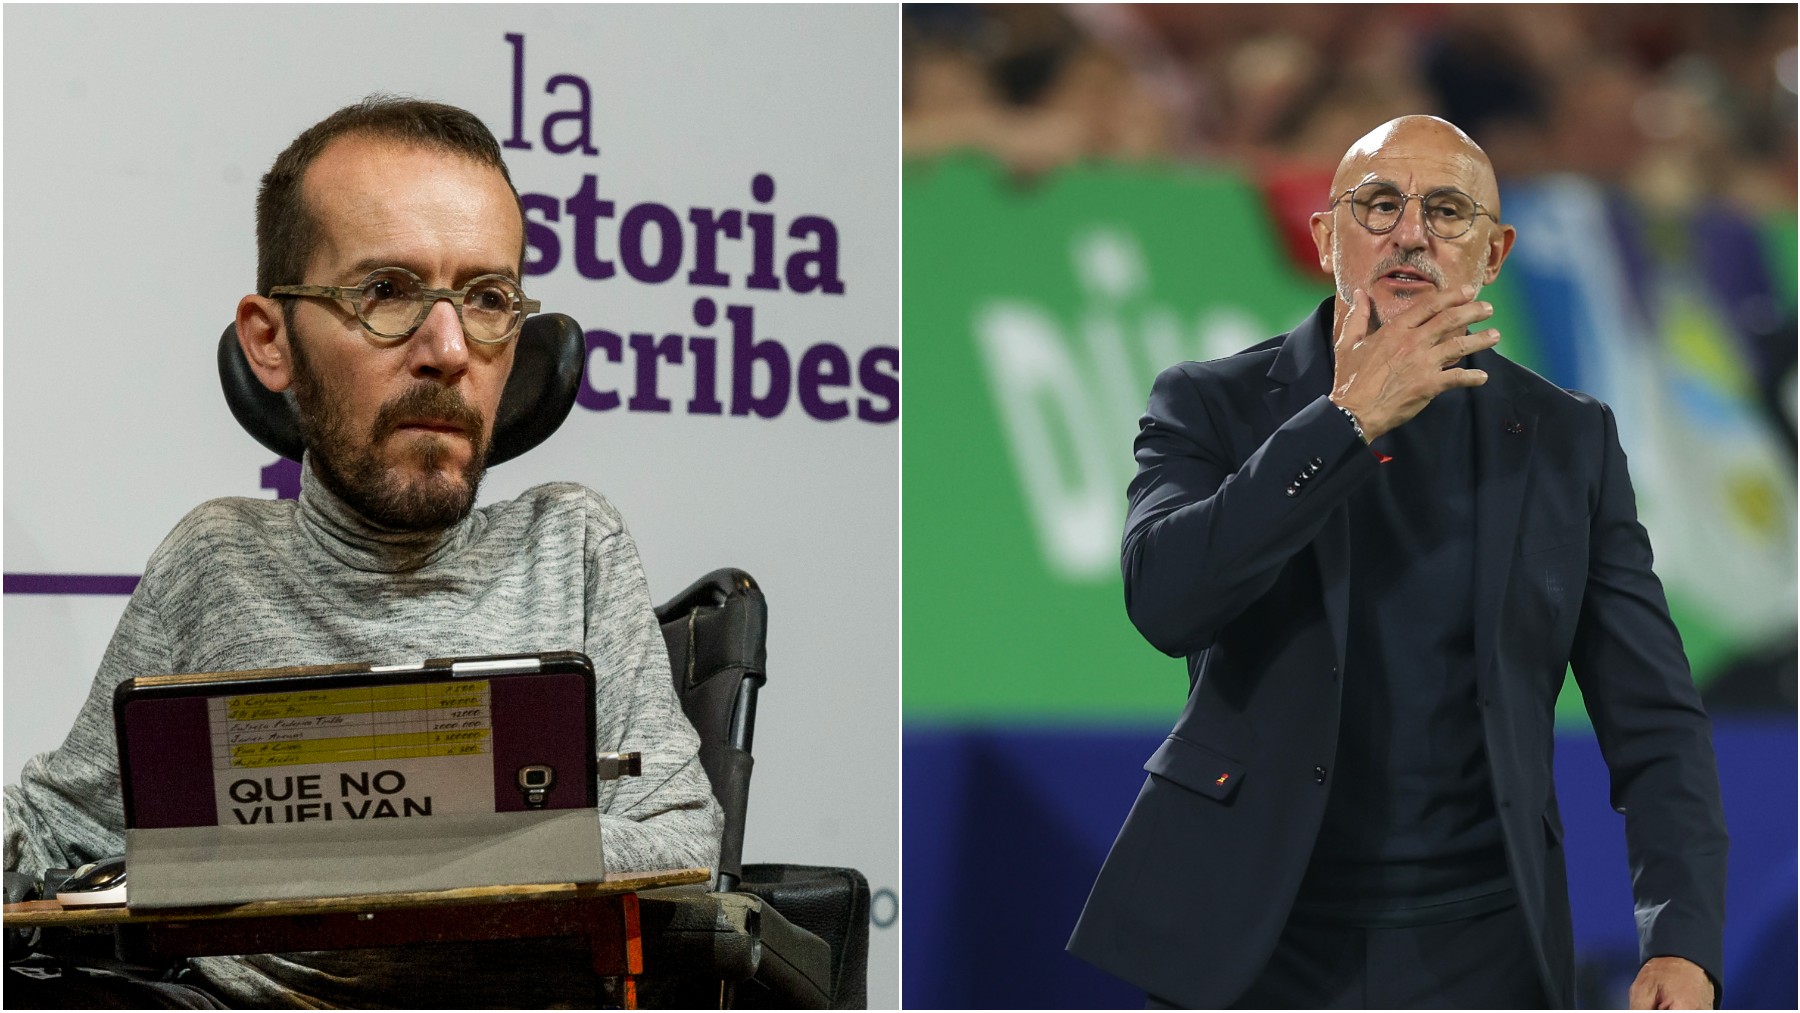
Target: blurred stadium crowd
pixel 1678 104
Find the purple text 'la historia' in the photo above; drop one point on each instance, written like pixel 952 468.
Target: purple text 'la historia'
pixel 639 368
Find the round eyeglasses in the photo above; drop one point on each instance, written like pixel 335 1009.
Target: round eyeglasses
pixel 392 302
pixel 1377 206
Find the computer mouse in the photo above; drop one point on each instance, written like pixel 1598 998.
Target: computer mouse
pixel 95 884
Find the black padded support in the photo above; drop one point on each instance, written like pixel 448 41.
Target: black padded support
pixel 715 630
pixel 541 389
pixel 539 394
pixel 831 903
pixel 268 417
pixel 734 637
pixel 734 938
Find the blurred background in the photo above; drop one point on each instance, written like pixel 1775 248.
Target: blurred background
pixel 1093 193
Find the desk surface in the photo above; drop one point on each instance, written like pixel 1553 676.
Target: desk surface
pixel 49 912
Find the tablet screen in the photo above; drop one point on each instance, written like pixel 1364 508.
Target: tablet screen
pixel 357 747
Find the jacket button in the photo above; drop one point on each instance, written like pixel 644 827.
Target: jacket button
pixel 1293 490
pixel 1317 462
pixel 1318 775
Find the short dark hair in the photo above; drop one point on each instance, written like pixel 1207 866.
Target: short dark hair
pixel 286 232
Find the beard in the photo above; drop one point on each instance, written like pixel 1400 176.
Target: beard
pixel 347 462
pixel 1414 261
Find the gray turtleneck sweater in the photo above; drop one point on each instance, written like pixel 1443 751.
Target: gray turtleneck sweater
pixel 252 583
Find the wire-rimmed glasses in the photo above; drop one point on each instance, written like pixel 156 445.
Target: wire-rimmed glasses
pixel 1378 207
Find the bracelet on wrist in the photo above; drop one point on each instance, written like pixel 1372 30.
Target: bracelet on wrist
pixel 1354 424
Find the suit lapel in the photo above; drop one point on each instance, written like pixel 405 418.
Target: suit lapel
pixel 1505 436
pixel 1300 374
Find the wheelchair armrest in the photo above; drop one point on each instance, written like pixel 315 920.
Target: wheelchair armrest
pixel 831 903
pixel 693 941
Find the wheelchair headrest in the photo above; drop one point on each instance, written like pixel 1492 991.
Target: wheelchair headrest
pixel 546 375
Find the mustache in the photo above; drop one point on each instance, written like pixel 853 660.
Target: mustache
pixel 1414 261
pixel 429 401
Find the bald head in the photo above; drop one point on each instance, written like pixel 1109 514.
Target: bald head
pixel 1427 138
pixel 1406 257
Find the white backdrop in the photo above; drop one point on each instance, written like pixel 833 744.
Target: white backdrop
pixel 134 140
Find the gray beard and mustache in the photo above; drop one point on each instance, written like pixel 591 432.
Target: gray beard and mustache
pixel 347 463
pixel 1414 261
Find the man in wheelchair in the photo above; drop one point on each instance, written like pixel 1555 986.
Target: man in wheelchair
pixel 388 300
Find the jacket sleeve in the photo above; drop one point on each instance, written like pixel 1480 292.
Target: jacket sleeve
pixel 1206 535
pixel 1653 732
pixel 665 818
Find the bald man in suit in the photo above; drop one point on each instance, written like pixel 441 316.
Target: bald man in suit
pixel 1379 544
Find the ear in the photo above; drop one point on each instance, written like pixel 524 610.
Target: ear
pixel 1321 233
pixel 1499 244
pixel 262 334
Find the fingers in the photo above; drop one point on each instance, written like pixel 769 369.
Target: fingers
pixel 1450 378
pixel 1430 305
pixel 1671 983
pixel 1454 348
pixel 1356 325
pixel 1454 321
pixel 1445 313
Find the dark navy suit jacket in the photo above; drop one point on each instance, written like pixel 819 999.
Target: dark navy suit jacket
pixel 1236 556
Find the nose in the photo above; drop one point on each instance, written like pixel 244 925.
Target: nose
pixel 439 350
pixel 1410 231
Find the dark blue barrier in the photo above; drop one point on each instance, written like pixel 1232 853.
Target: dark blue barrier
pixel 1005 828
